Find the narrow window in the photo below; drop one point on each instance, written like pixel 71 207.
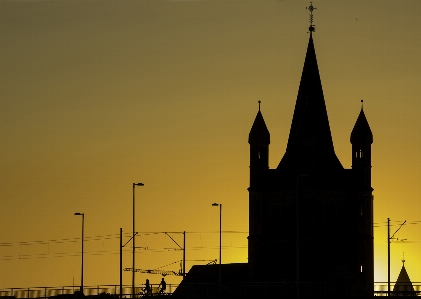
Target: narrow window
pixel 258 155
pixel 361 269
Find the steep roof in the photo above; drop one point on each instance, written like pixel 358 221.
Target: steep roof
pixel 403 284
pixel 259 133
pixel 310 139
pixel 361 133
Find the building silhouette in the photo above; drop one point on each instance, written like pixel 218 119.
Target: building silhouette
pixel 310 219
pixel 403 285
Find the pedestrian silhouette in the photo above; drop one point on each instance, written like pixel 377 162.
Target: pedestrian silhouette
pixel 163 285
pixel 147 287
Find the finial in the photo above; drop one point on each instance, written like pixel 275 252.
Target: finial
pixel 312 27
pixel 403 258
pixel 362 104
pixel 259 104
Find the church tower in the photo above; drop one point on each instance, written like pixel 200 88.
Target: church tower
pixel 361 140
pixel 311 220
pixel 259 140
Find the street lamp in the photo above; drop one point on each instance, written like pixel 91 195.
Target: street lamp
pixel 133 243
pixel 220 239
pixel 83 229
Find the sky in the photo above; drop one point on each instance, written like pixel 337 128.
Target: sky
pixel 98 95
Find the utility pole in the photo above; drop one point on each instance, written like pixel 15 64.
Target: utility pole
pixel 388 252
pixel 133 242
pixel 121 263
pixel 184 251
pixel 121 259
pixel 184 255
pixel 388 256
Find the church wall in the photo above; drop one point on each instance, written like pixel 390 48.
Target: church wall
pixel 332 233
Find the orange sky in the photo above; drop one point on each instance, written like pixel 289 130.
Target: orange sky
pixel 96 95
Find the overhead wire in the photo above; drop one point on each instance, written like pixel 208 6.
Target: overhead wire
pixel 21 256
pixel 104 237
pixel 128 235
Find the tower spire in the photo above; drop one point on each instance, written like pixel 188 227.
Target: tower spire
pixel 312 27
pixel 310 144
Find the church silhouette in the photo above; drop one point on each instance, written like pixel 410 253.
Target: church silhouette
pixel 310 219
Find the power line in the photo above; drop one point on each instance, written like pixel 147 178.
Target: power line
pixel 107 237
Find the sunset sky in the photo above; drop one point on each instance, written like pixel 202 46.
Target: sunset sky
pixel 96 95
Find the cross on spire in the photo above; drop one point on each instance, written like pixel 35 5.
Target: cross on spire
pixel 312 27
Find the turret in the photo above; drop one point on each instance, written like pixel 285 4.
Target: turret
pixel 403 286
pixel 259 140
pixel 361 140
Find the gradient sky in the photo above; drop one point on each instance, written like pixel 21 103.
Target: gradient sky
pixel 96 95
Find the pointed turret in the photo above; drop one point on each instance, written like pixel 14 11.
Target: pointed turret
pixel 403 286
pixel 310 146
pixel 361 133
pixel 259 140
pixel 361 140
pixel 259 133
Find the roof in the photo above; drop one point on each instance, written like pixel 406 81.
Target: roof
pixel 237 272
pixel 259 133
pixel 361 133
pixel 310 139
pixel 403 284
pixel 202 280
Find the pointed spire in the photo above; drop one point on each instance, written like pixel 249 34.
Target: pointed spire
pixel 259 133
pixel 361 133
pixel 403 284
pixel 310 140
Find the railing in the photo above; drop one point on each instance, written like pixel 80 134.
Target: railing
pixel 46 292
pixel 287 290
pixel 380 289
pixel 244 290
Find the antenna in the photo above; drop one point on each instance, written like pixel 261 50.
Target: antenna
pixel 312 27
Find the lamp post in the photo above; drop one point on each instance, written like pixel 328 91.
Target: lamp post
pixel 133 243
pixel 220 239
pixel 83 231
